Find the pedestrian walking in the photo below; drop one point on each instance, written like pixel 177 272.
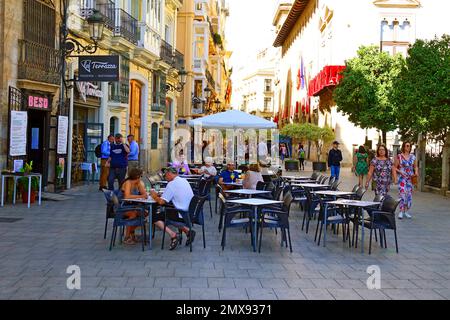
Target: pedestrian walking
pixel 406 174
pixel 105 149
pixel 118 162
pixel 283 152
pixel 361 167
pixel 301 156
pixel 133 156
pixel 380 171
pixel 334 160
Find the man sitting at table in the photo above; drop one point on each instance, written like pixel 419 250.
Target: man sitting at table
pixel 179 193
pixel 208 169
pixel 228 176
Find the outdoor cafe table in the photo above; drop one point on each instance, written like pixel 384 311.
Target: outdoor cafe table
pixel 334 194
pixel 297 183
pixel 295 178
pixel 248 192
pixel 146 203
pixel 254 202
pixel 234 184
pixel 359 205
pixel 312 185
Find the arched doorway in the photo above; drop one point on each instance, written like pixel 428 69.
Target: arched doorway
pixel 135 109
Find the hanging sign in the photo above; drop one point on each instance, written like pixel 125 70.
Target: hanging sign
pixel 88 89
pixel 63 125
pixel 18 134
pixel 98 68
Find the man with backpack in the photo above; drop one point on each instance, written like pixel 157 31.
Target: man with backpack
pixel 301 157
pixel 103 151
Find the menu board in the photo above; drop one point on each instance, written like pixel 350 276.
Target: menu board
pixel 18 133
pixel 63 125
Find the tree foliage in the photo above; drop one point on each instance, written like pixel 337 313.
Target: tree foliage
pixel 309 132
pixel 422 90
pixel 365 90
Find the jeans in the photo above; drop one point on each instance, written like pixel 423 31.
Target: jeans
pixel 119 173
pixel 335 170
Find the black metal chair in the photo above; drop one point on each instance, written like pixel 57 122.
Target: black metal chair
pixel 273 219
pixel 191 217
pixel 312 201
pixel 330 215
pixel 331 180
pixel 315 175
pixel 383 219
pixel 335 185
pixel 121 221
pixel 229 213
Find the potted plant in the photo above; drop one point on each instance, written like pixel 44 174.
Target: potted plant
pixel 292 165
pixel 23 183
pixel 311 132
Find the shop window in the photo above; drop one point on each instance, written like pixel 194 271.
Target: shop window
pixel 155 134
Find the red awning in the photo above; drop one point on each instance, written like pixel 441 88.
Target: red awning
pixel 329 76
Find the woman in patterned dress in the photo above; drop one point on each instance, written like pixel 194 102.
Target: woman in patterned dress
pixel 381 168
pixel 405 167
pixel 362 167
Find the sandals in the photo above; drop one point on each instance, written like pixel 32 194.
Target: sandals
pixel 173 243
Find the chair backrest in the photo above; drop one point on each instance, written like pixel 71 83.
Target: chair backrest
pixel 315 175
pixel 360 193
pixel 335 185
pixel 355 188
pixel 332 180
pixel 378 198
pixel 260 185
pixel 196 208
pixel 277 192
pixel 319 179
pixel 147 182
pixel 115 200
pixel 287 201
pixel 389 204
pixel 324 180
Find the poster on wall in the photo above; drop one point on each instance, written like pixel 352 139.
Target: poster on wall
pixel 63 125
pixel 18 134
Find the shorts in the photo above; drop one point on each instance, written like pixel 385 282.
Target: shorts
pixel 172 214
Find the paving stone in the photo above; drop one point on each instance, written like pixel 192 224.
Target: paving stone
pixel 426 294
pixel 167 282
pixel 261 294
pixel 289 294
pixel 204 294
pixel 194 282
pixel 247 283
pixel 273 283
pixel 399 294
pixel 317 294
pixel 117 293
pixel 175 294
pixel 326 284
pixel 232 294
pixel 147 294
pixel 89 293
pixel 140 282
pixel 220 283
pixel 344 294
pixel 367 294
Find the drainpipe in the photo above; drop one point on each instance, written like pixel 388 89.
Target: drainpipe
pixel 69 146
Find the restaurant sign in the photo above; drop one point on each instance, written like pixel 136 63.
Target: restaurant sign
pixel 88 89
pixel 38 102
pixel 98 68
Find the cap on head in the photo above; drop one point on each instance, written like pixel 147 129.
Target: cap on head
pixel 336 142
pixel 171 170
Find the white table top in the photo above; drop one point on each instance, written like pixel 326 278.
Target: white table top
pixel 255 202
pixel 19 175
pixel 149 200
pixel 190 176
pixel 233 183
pixel 334 193
pixel 247 191
pixel 295 178
pixel 355 203
pixel 297 183
pixel 313 185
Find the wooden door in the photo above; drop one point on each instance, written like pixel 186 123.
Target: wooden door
pixel 135 110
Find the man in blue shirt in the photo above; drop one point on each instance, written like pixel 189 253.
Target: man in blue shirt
pixel 133 156
pixel 118 162
pixel 104 173
pixel 228 176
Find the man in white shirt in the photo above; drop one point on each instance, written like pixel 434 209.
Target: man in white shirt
pixel 179 193
pixel 208 169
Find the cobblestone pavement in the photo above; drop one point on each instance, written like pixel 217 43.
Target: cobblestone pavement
pixel 36 251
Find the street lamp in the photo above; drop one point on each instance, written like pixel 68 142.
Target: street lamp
pixel 207 93
pixel 218 103
pixel 182 76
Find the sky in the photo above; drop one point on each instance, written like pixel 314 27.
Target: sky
pixel 249 28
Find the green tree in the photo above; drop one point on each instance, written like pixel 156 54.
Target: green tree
pixel 364 92
pixel 422 95
pixel 310 132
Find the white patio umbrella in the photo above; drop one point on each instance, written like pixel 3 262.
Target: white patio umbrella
pixel 233 119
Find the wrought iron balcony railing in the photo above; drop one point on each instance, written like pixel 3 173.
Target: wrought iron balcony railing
pixel 126 26
pixel 38 62
pixel 156 107
pixel 179 60
pixel 166 52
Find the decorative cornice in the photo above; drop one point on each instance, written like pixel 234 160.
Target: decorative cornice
pixel 397 3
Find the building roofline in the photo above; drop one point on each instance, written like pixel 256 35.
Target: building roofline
pixel 296 11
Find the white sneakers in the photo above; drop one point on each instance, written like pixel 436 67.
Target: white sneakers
pixel 407 215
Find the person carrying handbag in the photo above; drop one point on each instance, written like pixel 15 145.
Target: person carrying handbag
pixel 405 173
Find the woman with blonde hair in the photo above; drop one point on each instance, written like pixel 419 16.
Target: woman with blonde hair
pixel 252 176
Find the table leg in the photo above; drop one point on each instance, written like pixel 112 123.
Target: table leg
pixel 15 190
pixel 29 191
pixel 3 189
pixel 361 216
pixel 255 228
pixel 40 189
pixel 150 229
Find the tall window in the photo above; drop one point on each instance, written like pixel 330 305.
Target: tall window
pixel 395 36
pixel 268 85
pixel 199 43
pixel 113 125
pixel 39 23
pixel 198 88
pixel 119 91
pixel 267 104
pixel 155 132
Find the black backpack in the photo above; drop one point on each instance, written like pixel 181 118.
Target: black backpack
pixel 98 151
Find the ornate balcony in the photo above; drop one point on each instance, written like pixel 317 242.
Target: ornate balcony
pixel 38 62
pixel 166 52
pixel 126 26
